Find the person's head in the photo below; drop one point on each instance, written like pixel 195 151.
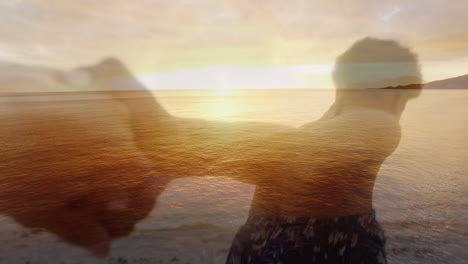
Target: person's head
pixel 370 64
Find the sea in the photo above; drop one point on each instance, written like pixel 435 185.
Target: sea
pixel 420 194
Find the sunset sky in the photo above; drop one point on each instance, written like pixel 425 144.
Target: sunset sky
pixel 221 44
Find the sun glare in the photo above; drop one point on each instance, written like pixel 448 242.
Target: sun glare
pixel 223 79
pixel 223 92
pixel 223 108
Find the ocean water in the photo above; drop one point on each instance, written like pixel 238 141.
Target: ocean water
pixel 424 179
pixel 420 194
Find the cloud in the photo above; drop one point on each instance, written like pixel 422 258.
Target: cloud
pixel 161 35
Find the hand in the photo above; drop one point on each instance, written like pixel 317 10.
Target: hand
pixel 91 219
pixel 76 173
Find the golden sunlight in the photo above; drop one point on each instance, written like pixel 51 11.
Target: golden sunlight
pixel 223 107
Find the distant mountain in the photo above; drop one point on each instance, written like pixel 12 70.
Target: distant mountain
pixel 460 82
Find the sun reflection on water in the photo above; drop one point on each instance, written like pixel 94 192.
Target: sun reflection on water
pixel 223 107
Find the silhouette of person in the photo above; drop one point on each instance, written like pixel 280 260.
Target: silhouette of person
pixel 320 210
pixel 313 198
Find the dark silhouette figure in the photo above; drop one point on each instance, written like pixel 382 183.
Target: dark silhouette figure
pixel 320 210
pixel 98 176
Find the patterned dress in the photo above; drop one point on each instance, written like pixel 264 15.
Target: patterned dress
pixel 287 240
